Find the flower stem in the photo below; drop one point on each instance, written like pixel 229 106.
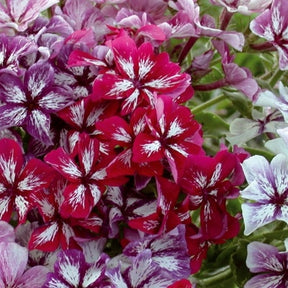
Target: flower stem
pixel 186 49
pixel 276 77
pixel 214 280
pixel 211 86
pixel 207 104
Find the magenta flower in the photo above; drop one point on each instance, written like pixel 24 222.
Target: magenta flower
pixel 30 102
pixel 12 49
pixel 72 271
pixel 268 189
pixel 18 17
pixel 139 74
pixel 272 25
pixel 209 182
pixel 13 268
pixel 85 179
pixel 172 134
pixel 19 181
pixel 270 265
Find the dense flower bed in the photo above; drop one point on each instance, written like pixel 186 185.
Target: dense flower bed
pixel 143 143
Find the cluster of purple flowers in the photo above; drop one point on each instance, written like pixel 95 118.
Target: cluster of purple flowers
pixel 105 175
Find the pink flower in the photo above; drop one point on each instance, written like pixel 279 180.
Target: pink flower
pixel 243 6
pixel 18 16
pixel 272 25
pixel 138 75
pixel 13 268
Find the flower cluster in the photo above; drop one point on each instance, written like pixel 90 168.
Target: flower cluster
pixel 143 143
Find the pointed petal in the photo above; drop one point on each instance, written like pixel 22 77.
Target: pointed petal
pixel 38 125
pixel 263 258
pixel 34 277
pixel 12 116
pixel 45 238
pixel 12 89
pixel 64 164
pixel 256 215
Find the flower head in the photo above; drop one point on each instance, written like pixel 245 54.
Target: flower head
pixel 267 189
pixel 269 263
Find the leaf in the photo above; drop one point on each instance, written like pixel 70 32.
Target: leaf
pixel 240 272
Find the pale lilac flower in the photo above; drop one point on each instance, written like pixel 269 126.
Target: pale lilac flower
pixel 272 25
pixel 270 265
pixel 243 130
pixel 18 15
pixel 245 7
pixel 7 233
pixel 267 189
pixel 29 103
pixel 13 264
pixel 269 99
pixel 279 145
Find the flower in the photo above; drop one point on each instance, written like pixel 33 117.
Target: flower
pixel 267 189
pixel 19 181
pixel 272 25
pixel 30 102
pixel 18 17
pixel 138 75
pixel 269 264
pixel 72 271
pixel 245 7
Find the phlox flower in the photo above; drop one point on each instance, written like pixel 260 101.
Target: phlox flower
pixel 30 102
pixel 71 270
pixel 18 16
pixel 19 180
pixel 13 264
pixel 85 186
pixel 172 134
pixel 209 182
pixel 269 264
pixel 272 25
pixel 138 75
pixel 267 190
pixel 245 7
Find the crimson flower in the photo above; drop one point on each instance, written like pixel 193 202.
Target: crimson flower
pixel 138 75
pixel 19 181
pixel 85 178
pixel 173 134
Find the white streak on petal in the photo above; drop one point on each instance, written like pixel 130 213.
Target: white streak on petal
pixel 22 205
pixel 77 113
pixel 216 175
pixel 30 183
pixel 145 66
pixel 77 196
pixel 179 149
pixel 99 175
pixel 88 156
pixel 15 94
pixel 175 129
pixel 128 66
pixel 4 203
pixel 7 167
pixel 121 135
pixel 70 271
pixel 91 275
pixel 150 148
pixel 120 87
pixel 47 235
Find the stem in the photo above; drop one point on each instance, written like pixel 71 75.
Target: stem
pixel 207 104
pixel 186 49
pixel 225 19
pixel 276 77
pixel 215 279
pixel 211 86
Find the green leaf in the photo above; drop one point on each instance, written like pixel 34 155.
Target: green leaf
pixel 212 124
pixel 240 272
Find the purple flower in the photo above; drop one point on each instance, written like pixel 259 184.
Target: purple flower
pixel 13 264
pixel 71 270
pixel 11 49
pixel 272 25
pixel 271 265
pixel 268 189
pixel 18 15
pixel 29 103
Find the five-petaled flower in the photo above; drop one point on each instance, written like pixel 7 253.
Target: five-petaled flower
pixel 268 189
pixel 270 265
